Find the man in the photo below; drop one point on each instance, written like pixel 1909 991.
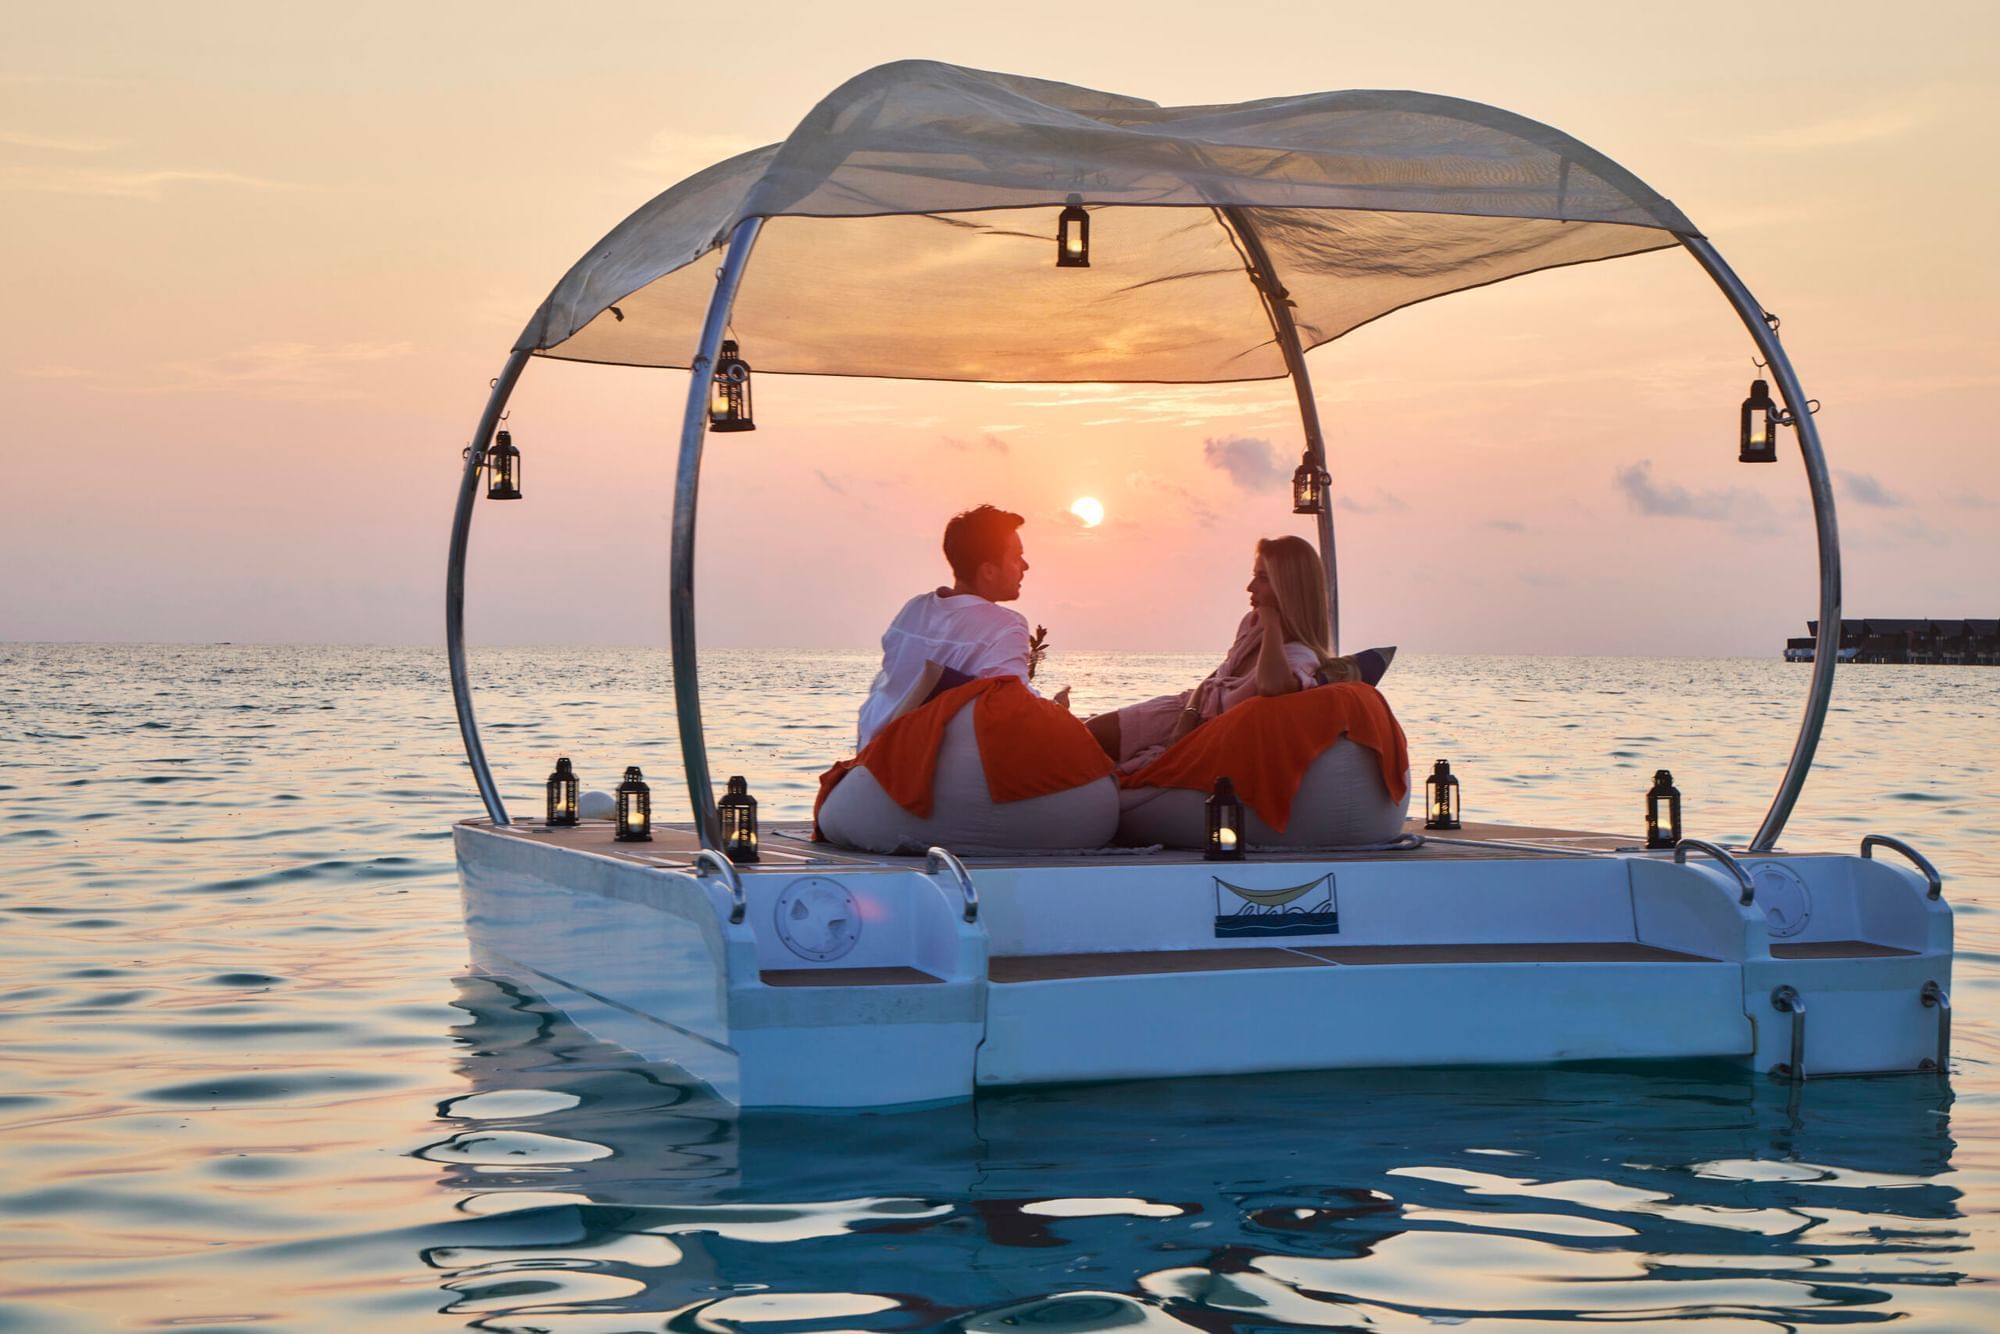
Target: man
pixel 960 632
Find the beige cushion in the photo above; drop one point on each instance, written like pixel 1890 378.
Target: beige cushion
pixel 1341 802
pixel 859 814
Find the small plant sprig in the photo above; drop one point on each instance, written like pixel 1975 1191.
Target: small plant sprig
pixel 1038 648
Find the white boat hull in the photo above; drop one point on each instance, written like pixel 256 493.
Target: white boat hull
pixel 1136 968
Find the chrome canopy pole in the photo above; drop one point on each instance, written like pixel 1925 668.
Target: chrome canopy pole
pixel 454 584
pixel 680 576
pixel 1826 650
pixel 1278 303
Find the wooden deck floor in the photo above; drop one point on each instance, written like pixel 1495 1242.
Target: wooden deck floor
pixel 788 848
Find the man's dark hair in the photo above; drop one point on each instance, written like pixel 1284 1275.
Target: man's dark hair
pixel 977 536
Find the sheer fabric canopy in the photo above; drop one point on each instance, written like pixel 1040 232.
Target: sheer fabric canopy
pixel 912 217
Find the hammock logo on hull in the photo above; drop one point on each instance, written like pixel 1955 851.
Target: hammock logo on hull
pixel 1296 910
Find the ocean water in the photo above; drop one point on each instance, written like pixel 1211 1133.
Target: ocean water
pixel 247 1081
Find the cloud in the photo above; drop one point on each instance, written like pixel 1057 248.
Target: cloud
pixel 1383 500
pixel 1191 505
pixel 1506 525
pixel 1745 508
pixel 1973 500
pixel 829 483
pixel 986 441
pixel 1863 489
pixel 51 372
pixel 1841 131
pixel 1251 463
pixel 1916 530
pixel 130 183
pixel 274 370
pixel 53 144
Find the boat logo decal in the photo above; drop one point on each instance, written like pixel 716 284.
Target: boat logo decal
pixel 1310 909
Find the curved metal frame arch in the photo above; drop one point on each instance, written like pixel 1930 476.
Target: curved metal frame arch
pixel 1826 651
pixel 1278 305
pixel 454 584
pixel 680 566
pixel 694 426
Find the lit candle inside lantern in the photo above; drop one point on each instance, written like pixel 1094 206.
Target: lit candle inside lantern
pixel 1227 838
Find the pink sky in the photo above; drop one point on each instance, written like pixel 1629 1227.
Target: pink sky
pixel 262 262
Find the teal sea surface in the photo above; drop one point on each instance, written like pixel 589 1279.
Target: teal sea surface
pixel 248 1081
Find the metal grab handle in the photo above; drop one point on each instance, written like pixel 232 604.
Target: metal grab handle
pixel 1938 996
pixel 941 859
pixel 1786 1000
pixel 1729 864
pixel 739 902
pixel 1873 841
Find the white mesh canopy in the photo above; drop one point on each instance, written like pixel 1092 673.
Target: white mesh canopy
pixel 912 220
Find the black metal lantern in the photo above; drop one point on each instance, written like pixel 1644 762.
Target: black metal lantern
pixel 1760 426
pixel 738 810
pixel 1225 824
pixel 1441 797
pixel 1663 812
pixel 635 808
pixel 1309 486
pixel 503 469
pixel 729 392
pixel 1073 236
pixel 562 794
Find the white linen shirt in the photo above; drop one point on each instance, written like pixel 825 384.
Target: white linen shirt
pixel 962 631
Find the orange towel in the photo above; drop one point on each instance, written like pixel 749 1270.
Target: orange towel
pixel 1265 745
pixel 1029 747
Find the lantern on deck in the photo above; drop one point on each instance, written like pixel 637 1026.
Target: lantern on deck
pixel 729 392
pixel 1441 797
pixel 1663 812
pixel 1225 824
pixel 503 469
pixel 1309 486
pixel 1073 236
pixel 738 810
pixel 562 795
pixel 635 808
pixel 1760 426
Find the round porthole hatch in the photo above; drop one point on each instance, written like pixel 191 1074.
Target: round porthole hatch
pixel 817 919
pixel 1782 894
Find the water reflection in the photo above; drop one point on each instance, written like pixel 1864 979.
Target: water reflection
pixel 599 1193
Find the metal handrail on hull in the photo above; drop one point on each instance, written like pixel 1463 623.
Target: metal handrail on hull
pixel 1827 650
pixel 454 584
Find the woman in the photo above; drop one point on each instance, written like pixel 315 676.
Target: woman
pixel 1281 646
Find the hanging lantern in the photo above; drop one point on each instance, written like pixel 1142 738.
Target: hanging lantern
pixel 1760 426
pixel 1309 486
pixel 729 392
pixel 635 808
pixel 1663 812
pixel 738 810
pixel 562 794
pixel 1073 236
pixel 1225 824
pixel 503 469
pixel 1441 797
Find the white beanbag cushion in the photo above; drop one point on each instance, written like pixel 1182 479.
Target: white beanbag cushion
pixel 1341 802
pixel 964 818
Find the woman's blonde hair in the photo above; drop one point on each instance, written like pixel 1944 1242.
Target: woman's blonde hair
pixel 1292 566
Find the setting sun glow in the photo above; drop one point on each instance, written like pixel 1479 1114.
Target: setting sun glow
pixel 1089 509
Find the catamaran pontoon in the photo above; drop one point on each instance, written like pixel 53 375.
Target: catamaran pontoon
pixel 904 230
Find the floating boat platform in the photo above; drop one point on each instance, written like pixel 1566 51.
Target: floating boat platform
pixel 820 978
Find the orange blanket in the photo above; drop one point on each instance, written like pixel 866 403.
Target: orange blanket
pixel 1028 747
pixel 1265 745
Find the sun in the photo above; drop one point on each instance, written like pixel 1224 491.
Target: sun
pixel 1089 509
